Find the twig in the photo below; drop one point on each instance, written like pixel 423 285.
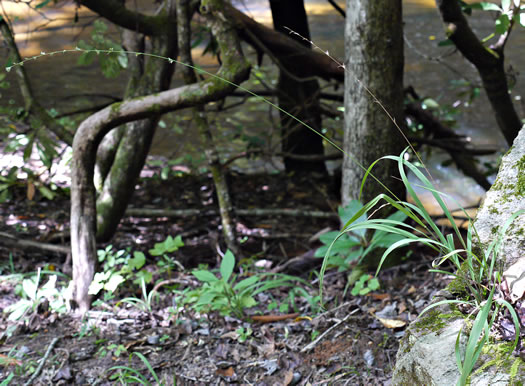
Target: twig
pixel 320 337
pixel 42 361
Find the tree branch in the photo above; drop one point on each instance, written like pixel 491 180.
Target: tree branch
pixel 116 12
pixel 234 70
pixel 304 61
pixel 489 63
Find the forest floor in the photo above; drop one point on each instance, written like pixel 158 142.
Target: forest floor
pixel 353 341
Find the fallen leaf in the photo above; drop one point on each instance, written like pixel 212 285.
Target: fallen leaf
pixel 375 296
pixel 228 372
pixel 273 318
pixel 392 323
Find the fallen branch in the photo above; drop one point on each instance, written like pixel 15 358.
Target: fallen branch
pixel 146 212
pixel 13 242
pixel 42 362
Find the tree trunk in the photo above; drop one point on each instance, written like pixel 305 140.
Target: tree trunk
pixel 298 96
pixel 184 15
pixel 374 51
pixel 234 69
pixel 122 153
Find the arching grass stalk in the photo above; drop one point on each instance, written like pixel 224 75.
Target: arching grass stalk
pixel 476 272
pixel 202 71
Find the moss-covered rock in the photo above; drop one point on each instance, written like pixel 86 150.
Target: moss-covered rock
pixel 427 352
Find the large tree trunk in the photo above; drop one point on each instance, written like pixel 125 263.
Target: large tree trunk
pixel 297 95
pixel 374 51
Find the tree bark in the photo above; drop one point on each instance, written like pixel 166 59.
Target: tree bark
pixel 299 97
pixel 184 15
pixel 234 69
pixel 374 51
pixel 120 165
pixel 489 62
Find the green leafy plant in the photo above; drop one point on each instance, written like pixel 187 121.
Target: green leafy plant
pixel 365 284
pixel 144 304
pixel 228 295
pixel 33 295
pixel 118 267
pixel 128 374
pixel 476 272
pixel 244 334
pixel 111 65
pixel 353 246
pixel 164 249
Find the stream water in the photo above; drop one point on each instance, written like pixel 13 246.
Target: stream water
pixel 56 78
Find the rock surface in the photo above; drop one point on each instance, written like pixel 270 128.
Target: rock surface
pixel 427 352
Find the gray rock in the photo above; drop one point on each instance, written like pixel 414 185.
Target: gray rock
pixel 505 197
pixel 427 352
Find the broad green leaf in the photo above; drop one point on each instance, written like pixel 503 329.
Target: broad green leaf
pixel 502 24
pixel 486 6
pixel 505 5
pixel 137 261
pixel 114 281
pixel 345 214
pixel 430 104
pixel 246 283
pixel 46 192
pixel 205 276
pixel 373 284
pixel 30 288
pixel 247 301
pixel 227 265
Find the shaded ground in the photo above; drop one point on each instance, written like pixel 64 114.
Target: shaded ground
pixel 354 342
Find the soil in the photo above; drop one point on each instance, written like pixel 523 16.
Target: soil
pixel 353 340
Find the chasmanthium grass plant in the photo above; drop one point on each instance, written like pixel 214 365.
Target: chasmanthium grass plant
pixel 481 279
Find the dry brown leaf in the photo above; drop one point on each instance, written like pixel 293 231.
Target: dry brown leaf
pixel 392 323
pixel 228 372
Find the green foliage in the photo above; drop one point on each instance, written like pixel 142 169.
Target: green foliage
pixel 228 295
pixel 164 249
pixel 112 348
pixel 144 304
pixel 341 249
pixel 118 267
pixel 509 11
pixel 33 295
pixel 111 65
pixel 365 284
pixel 129 375
pixel 477 272
pixel 244 334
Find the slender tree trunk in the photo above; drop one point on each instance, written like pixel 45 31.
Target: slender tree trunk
pixel 298 96
pixel 122 153
pixel 184 14
pixel 374 59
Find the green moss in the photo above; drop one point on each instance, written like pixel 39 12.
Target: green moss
pixel 520 186
pixel 458 287
pixel 499 355
pixel 115 107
